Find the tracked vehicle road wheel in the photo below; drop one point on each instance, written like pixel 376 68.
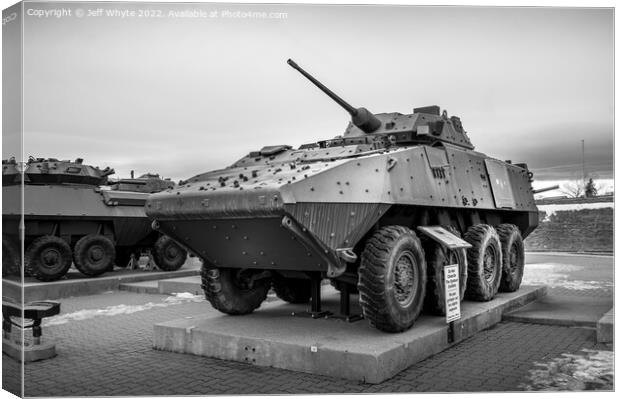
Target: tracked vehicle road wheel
pixel 392 279
pixel 484 262
pixel 292 290
pixel 168 255
pixel 11 260
pixel 48 258
pixel 436 258
pixel 234 291
pixel 513 257
pixel 94 254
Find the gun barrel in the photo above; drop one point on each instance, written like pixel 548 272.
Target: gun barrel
pixel 542 190
pixel 348 107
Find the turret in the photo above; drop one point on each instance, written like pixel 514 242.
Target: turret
pixel 54 171
pixel 426 125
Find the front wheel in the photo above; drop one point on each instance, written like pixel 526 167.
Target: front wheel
pixel 48 258
pixel 168 255
pixel 392 279
pixel 235 291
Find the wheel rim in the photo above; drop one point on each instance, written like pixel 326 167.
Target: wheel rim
pixel 490 261
pixel 51 258
pixel 171 252
pixel 96 254
pixel 404 279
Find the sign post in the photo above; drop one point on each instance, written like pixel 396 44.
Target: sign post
pixel 452 297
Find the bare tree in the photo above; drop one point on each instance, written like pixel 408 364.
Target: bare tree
pixel 573 189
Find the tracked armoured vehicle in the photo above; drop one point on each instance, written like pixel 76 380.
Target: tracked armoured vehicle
pixel 74 214
pixel 380 210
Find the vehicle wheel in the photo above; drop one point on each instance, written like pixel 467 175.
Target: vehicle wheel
pixel 48 258
pixel 234 291
pixel 484 263
pixel 513 256
pixel 392 279
pixel 292 290
pixel 437 256
pixel 11 259
pixel 94 254
pixel 168 255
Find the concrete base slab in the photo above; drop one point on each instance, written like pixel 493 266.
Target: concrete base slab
pixel 142 287
pixel 562 310
pixel 184 284
pixel 605 328
pixel 272 337
pixel 75 283
pixel 29 353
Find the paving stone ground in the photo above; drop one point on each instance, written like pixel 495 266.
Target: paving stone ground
pixel 111 355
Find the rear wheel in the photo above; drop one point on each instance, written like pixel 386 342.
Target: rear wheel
pixel 48 258
pixel 437 256
pixel 11 259
pixel 168 255
pixel 392 279
pixel 235 291
pixel 94 255
pixel 484 262
pixel 292 290
pixel 513 256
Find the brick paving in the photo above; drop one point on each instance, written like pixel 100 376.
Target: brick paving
pixel 112 356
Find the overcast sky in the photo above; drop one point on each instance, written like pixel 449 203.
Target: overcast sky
pixel 179 96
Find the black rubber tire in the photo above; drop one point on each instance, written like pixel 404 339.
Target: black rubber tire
pixel 436 258
pixel 513 257
pixel 484 263
pixel 94 255
pixel 168 255
pixel 392 279
pixel 48 258
pixel 292 290
pixel 223 290
pixel 11 259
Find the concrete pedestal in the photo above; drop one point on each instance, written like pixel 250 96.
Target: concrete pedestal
pixel 271 336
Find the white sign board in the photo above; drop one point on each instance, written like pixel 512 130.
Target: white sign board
pixel 452 297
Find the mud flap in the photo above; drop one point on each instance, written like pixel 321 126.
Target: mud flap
pixel 444 237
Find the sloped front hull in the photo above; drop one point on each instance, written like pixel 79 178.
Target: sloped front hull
pixel 304 237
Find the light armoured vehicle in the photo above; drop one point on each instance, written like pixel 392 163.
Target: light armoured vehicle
pixel 74 214
pixel 379 210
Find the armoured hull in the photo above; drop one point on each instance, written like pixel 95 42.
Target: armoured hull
pixel 298 209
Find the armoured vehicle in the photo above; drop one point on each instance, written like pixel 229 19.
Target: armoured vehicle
pixel 380 209
pixel 74 214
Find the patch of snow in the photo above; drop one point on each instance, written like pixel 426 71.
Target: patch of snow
pixel 551 209
pixel 554 275
pixel 175 299
pixel 587 370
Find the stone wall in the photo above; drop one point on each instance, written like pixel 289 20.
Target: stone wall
pixel 582 230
